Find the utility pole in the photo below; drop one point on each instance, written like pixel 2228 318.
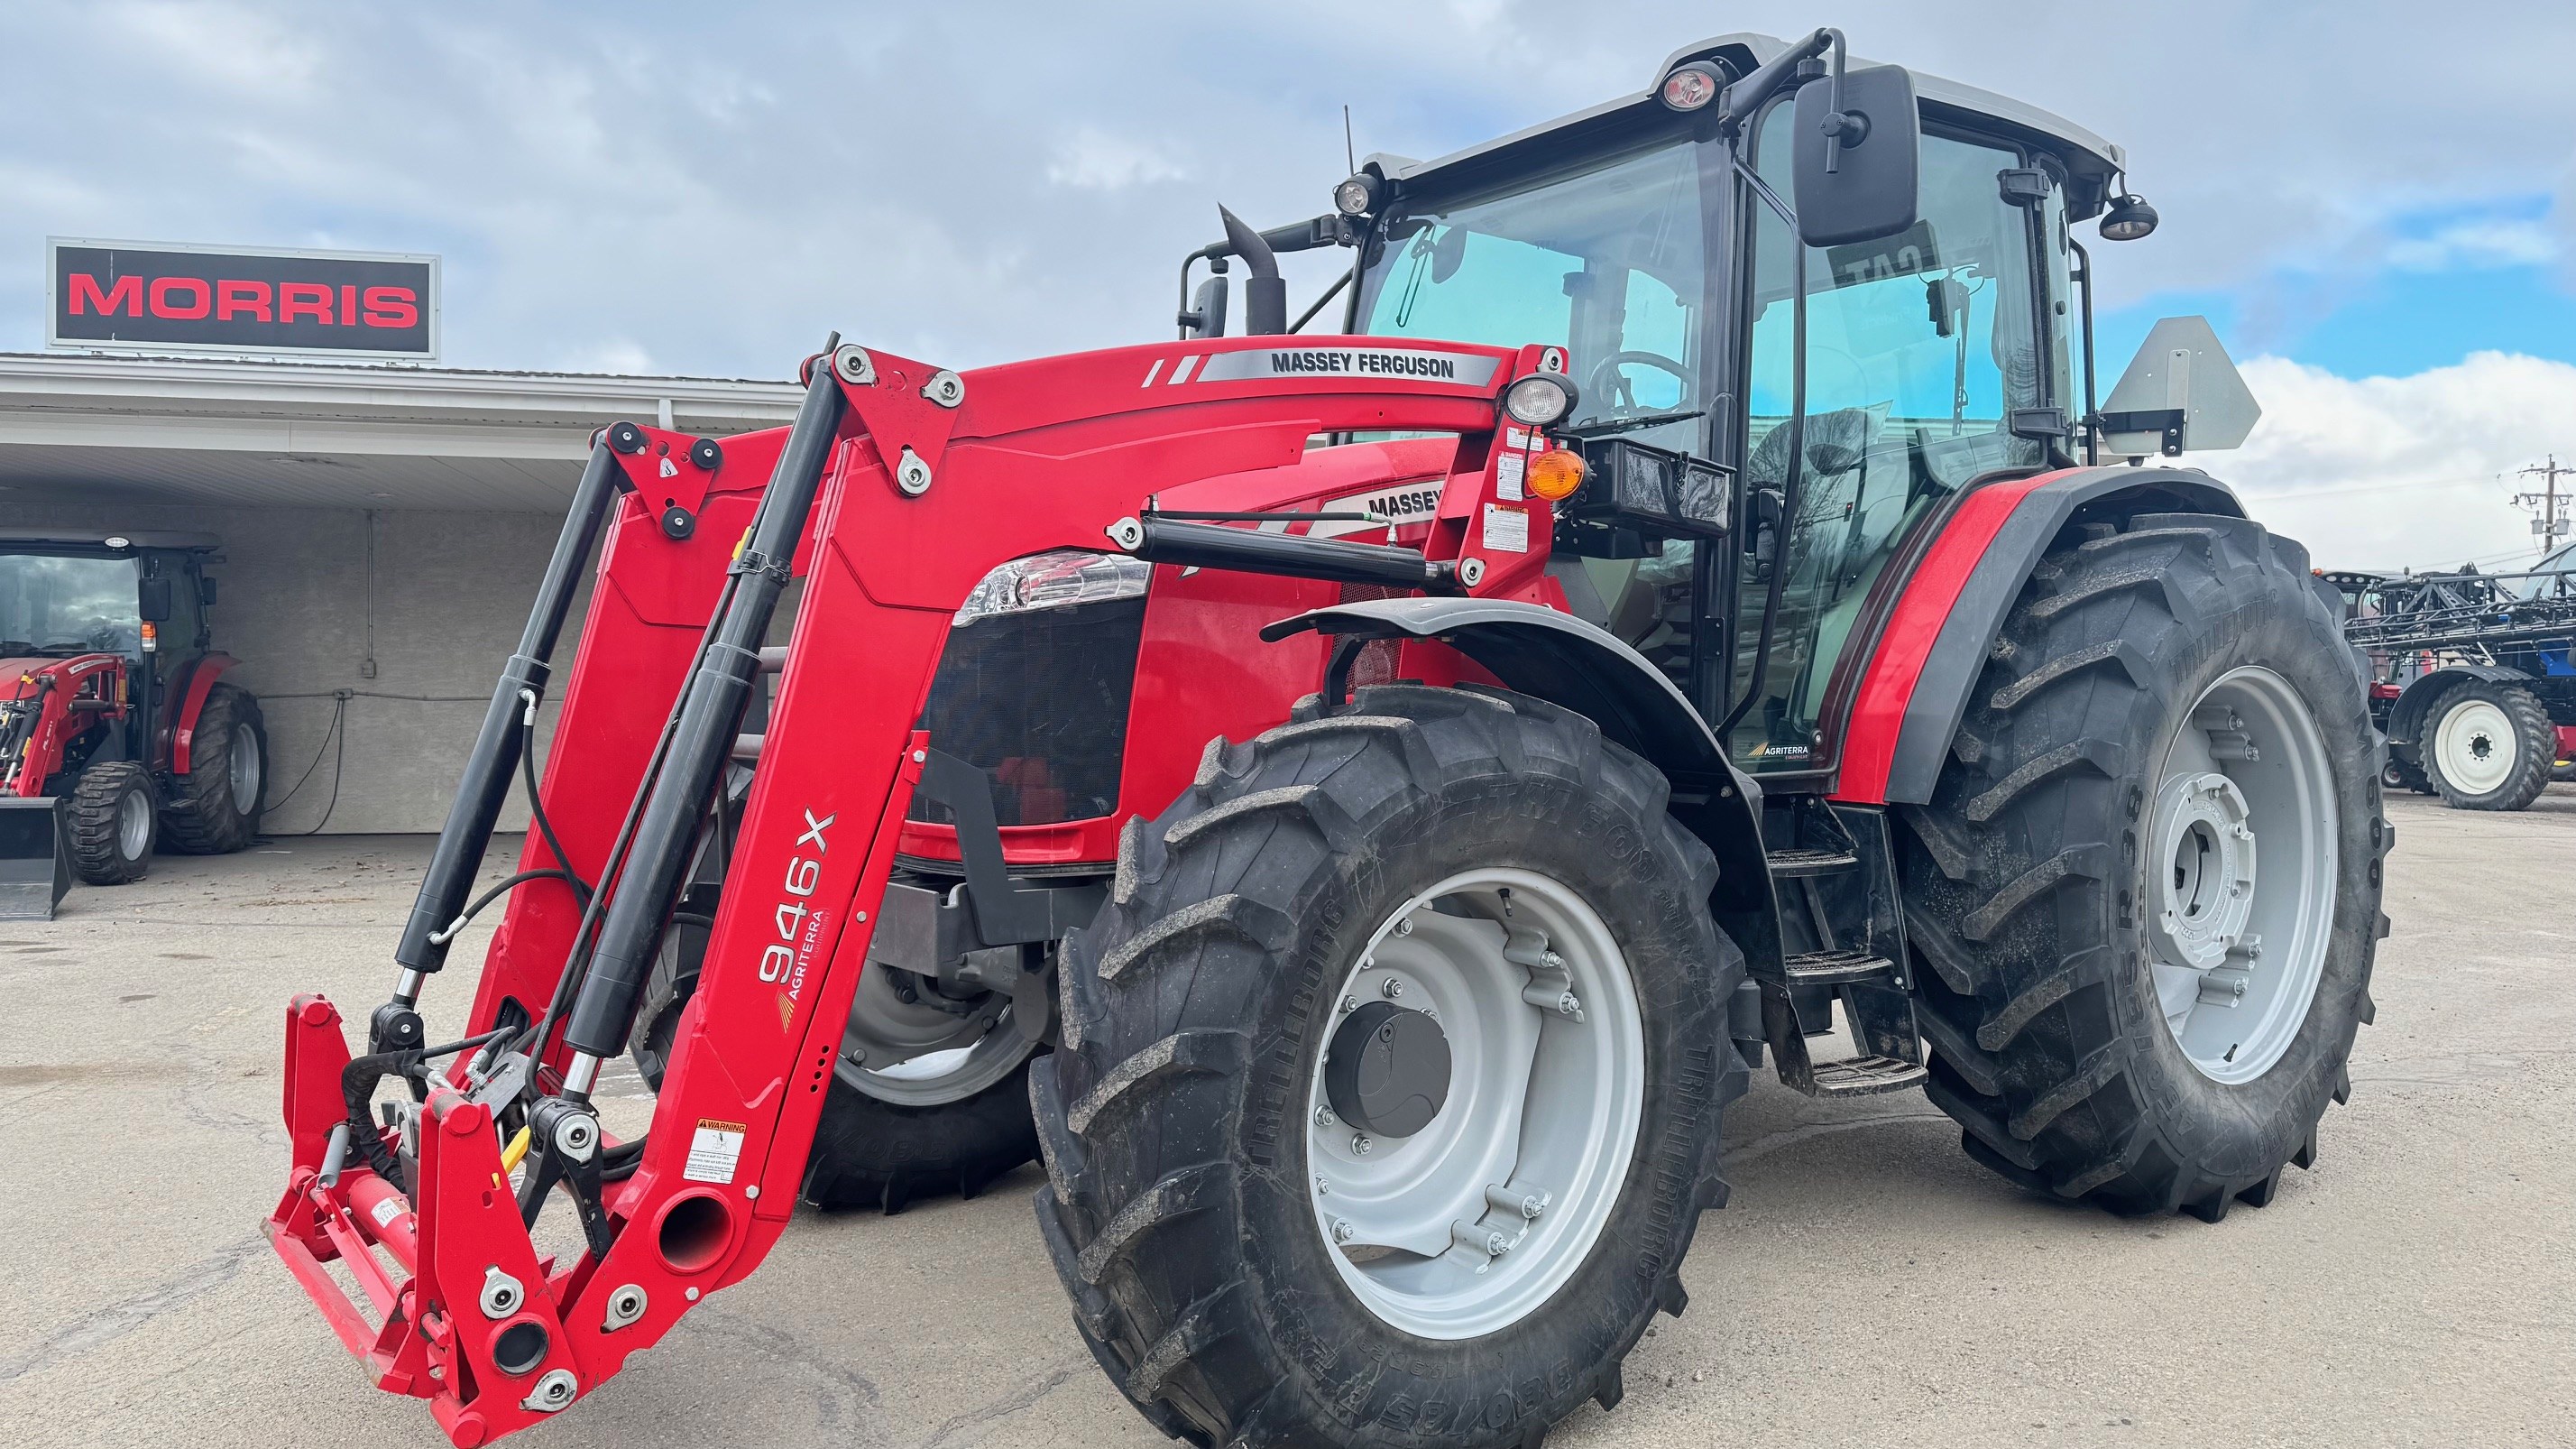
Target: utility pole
pixel 2549 526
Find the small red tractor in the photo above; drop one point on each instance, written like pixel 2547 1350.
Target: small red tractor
pixel 1358 806
pixel 118 732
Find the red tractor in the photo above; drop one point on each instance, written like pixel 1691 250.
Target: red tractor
pixel 1358 805
pixel 118 732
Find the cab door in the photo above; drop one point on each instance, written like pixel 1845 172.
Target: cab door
pixel 1920 347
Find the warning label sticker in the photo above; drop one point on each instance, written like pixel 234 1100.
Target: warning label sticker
pixel 385 1211
pixel 1509 469
pixel 714 1149
pixel 1506 529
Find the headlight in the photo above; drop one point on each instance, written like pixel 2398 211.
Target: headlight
pixel 1691 87
pixel 1357 196
pixel 1539 399
pixel 1058 580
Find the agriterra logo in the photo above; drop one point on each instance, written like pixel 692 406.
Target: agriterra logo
pixel 165 298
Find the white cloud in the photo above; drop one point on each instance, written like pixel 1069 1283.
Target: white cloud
pixel 2477 244
pixel 2402 472
pixel 1097 161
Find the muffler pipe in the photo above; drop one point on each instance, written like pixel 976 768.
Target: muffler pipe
pixel 488 769
pixel 604 1010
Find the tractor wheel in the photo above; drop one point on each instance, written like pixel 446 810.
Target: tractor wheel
pixel 216 807
pixel 109 829
pixel 2145 898
pixel 2488 745
pixel 1390 1081
pixel 948 1121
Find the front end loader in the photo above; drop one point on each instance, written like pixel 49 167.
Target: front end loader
pixel 1359 806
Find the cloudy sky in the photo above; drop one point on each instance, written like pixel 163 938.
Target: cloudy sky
pixel 2372 201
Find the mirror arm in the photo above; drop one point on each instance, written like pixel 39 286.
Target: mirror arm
pixel 2092 409
pixel 1773 76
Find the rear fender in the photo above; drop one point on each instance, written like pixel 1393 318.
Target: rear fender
pixel 1915 688
pixel 201 683
pixel 1561 659
pixel 2406 717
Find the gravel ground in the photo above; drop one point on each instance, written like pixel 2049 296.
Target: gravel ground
pixel 2417 1287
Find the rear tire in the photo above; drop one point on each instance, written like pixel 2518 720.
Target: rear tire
pixel 2037 905
pixel 111 825
pixel 1182 1138
pixel 868 1154
pixel 2488 745
pixel 215 808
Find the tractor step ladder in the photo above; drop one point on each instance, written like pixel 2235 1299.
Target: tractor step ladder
pixel 1828 893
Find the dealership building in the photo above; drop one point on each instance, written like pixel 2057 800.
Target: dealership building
pixel 383 520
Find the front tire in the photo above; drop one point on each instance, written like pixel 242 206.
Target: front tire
pixel 1236 1262
pixel 2488 745
pixel 2168 708
pixel 870 1153
pixel 110 829
pixel 215 808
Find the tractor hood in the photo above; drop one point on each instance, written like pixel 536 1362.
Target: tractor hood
pixel 20 673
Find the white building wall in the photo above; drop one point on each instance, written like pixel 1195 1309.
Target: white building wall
pixel 437 601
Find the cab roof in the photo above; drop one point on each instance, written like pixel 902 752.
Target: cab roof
pixel 2091 159
pixel 15 539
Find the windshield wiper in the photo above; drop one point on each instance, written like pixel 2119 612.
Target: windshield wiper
pixel 1601 429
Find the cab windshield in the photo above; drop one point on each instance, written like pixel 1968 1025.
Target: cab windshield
pixel 1607 262
pixel 67 604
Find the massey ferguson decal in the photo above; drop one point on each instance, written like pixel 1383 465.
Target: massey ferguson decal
pixel 1464 368
pixel 167 298
pixel 1400 504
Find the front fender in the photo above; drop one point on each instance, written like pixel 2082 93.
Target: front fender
pixel 201 682
pixel 1578 666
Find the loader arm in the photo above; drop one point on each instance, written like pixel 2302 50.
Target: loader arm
pixel 921 482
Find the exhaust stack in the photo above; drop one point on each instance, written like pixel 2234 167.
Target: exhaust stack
pixel 1265 292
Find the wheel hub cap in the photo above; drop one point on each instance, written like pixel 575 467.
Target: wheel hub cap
pixel 2207 887
pixel 1388 1070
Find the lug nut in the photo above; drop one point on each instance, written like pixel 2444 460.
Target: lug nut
pixel 1322 1187
pixel 1342 1230
pixel 1391 988
pixel 1360 1144
pixel 1323 1116
pixel 1404 926
pixel 1350 1004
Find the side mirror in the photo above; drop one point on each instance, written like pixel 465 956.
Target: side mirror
pixel 156 601
pixel 1206 317
pixel 2181 391
pixel 1853 157
pixel 206 591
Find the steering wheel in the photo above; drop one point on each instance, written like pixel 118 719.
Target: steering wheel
pixel 1605 374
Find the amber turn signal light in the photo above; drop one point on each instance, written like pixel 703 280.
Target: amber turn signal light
pixel 1555 474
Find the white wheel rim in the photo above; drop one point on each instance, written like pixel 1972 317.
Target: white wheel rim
pixel 1433 1232
pixel 242 766
pixel 2477 747
pixel 133 825
pixel 2237 954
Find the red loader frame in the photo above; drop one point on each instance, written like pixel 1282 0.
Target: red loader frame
pixel 921 481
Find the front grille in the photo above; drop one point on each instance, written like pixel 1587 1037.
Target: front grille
pixel 1039 701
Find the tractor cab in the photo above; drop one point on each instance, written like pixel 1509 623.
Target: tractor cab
pixel 142 598
pixel 110 706
pixel 1815 344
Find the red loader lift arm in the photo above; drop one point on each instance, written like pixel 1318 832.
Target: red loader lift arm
pixel 916 482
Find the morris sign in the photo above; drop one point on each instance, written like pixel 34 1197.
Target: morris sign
pixel 161 297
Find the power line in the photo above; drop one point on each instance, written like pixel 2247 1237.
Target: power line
pixel 2548 525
